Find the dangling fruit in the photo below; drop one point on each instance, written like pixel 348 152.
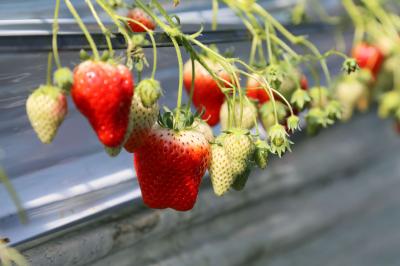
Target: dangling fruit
pixel 170 166
pixel 141 16
pixel 207 95
pixel 46 108
pixel 221 171
pixel 103 93
pixel 368 56
pixel 249 114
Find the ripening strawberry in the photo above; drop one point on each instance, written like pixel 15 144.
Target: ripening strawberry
pixel 249 114
pixel 368 57
pixel 256 92
pixel 206 95
pixel 141 16
pixel 46 108
pixel 221 170
pixel 103 94
pixel 144 112
pixel 170 166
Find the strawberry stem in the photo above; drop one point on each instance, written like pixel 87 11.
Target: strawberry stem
pixel 192 61
pixel 180 85
pixel 215 8
pixel 103 29
pixel 83 28
pixel 153 42
pixel 121 29
pixel 49 68
pixel 55 32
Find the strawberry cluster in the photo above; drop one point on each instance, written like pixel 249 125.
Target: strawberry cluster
pixel 173 149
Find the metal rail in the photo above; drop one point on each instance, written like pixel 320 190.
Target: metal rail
pixel 76 41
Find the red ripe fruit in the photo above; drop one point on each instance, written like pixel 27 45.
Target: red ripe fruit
pixel 141 16
pixel 368 57
pixel 256 92
pixel 206 95
pixel 103 94
pixel 170 166
pixel 304 82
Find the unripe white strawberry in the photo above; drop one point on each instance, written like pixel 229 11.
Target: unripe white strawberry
pixel 46 108
pixel 249 115
pixel 221 171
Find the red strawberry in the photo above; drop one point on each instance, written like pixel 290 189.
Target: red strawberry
pixel 304 82
pixel 256 91
pixel 368 57
pixel 103 93
pixel 141 16
pixel 206 95
pixel 170 166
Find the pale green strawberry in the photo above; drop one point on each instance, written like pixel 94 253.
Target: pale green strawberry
pixel 240 149
pixel 220 170
pixel 46 108
pixel 249 115
pixel 239 146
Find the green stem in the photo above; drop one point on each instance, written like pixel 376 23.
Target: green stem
pixel 383 17
pixel 153 43
pixel 49 68
pixel 192 61
pixel 271 56
pixel 55 33
pixel 253 50
pixel 357 18
pixel 121 29
pixel 215 8
pixel 180 85
pixel 293 39
pixel 84 29
pixel 103 29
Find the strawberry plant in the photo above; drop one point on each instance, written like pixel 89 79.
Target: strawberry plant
pixel 174 148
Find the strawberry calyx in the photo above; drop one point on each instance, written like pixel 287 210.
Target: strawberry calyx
pixel 64 78
pixel 149 91
pixel 47 90
pixel 168 119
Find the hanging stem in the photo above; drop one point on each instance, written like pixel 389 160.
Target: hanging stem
pixel 192 83
pixel 49 68
pixel 357 18
pixel 103 29
pixel 121 29
pixel 55 33
pixel 153 42
pixel 215 8
pixel 84 29
pixel 180 85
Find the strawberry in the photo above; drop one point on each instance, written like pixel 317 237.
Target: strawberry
pixel 207 95
pixel 46 108
pixel 240 149
pixel 249 115
pixel 368 57
pixel 144 112
pixel 256 92
pixel 171 164
pixel 221 171
pixel 103 94
pixel 141 16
